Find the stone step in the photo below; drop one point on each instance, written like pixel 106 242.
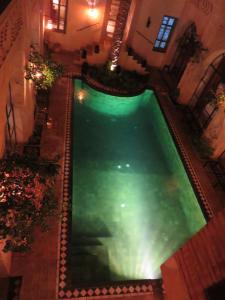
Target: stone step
pixel 91 263
pixel 139 60
pixel 131 64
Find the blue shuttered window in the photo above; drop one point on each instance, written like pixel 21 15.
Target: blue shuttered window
pixel 164 34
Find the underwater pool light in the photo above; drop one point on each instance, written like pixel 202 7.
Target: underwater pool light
pixel 81 96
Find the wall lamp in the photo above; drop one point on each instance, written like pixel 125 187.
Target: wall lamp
pixel 49 24
pixel 92 11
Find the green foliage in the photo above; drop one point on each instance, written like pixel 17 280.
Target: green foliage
pixel 120 79
pixel 27 199
pixel 42 71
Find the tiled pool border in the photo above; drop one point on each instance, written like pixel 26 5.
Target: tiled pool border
pixel 113 289
pixel 202 199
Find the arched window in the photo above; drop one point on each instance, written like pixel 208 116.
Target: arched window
pixel 203 102
pixel 185 50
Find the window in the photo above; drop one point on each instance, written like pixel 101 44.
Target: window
pixel 164 34
pixel 11 140
pixel 203 102
pixel 58 14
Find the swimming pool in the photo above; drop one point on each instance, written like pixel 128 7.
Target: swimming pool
pixel 133 205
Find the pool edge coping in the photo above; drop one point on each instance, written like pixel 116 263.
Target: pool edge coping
pixel 114 289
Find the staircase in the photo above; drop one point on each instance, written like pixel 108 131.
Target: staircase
pixel 89 269
pixel 90 258
pixel 130 60
pixel 201 261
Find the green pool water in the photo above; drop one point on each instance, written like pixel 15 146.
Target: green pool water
pixel 133 205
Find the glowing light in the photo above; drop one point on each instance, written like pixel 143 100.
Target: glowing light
pixel 128 165
pixel 122 205
pixel 49 25
pixel 49 123
pixel 93 13
pixel 112 67
pixel 38 74
pixel 119 167
pixel 81 96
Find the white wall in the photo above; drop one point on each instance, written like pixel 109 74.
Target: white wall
pixel 210 25
pixel 156 11
pixel 211 28
pixel 208 16
pixel 18 16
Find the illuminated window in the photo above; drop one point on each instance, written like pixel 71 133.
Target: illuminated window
pixel 11 139
pixel 164 34
pixel 58 14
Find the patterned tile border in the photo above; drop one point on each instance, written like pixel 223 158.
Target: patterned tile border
pixel 129 288
pixel 111 290
pixel 189 167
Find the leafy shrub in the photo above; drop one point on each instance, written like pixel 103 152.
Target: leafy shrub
pixel 42 71
pixel 119 79
pixel 27 198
